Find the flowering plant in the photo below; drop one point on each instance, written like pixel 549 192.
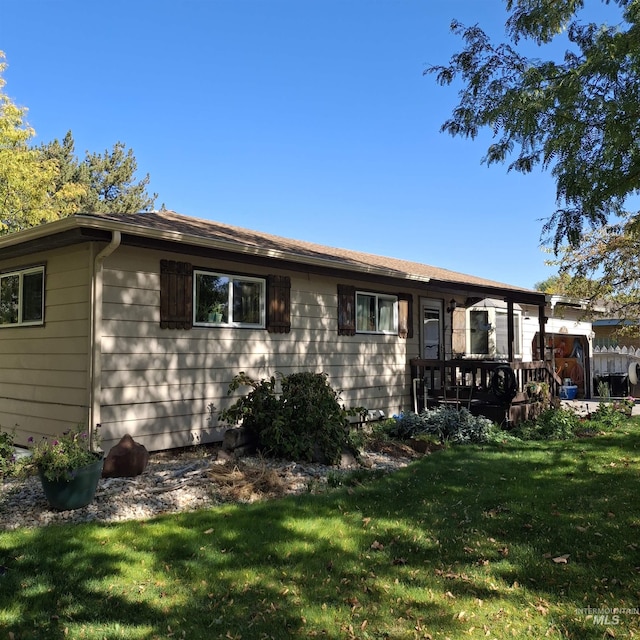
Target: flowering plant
pixel 57 459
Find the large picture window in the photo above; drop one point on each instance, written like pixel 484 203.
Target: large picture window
pixel 376 313
pixel 228 300
pixel 22 297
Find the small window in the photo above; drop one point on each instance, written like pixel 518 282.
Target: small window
pixel 376 313
pixel 502 343
pixel 479 329
pixel 227 300
pixel 488 333
pixel 22 297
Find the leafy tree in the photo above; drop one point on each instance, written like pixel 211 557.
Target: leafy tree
pixel 605 270
pixel 101 183
pixel 578 117
pixel 553 285
pixel 70 182
pixel 112 186
pixel 41 184
pixel 26 179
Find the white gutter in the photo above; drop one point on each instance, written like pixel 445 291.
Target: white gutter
pixel 95 334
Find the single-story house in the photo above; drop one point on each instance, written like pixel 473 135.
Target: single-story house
pixel 138 323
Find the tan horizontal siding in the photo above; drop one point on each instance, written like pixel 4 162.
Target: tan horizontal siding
pixel 44 369
pixel 155 379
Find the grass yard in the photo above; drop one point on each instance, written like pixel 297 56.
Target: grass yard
pixel 531 539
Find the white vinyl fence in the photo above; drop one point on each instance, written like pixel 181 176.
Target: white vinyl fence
pixel 613 365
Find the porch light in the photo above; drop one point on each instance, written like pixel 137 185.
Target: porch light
pixel 452 305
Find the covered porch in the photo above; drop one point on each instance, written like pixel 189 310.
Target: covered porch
pixel 505 392
pixel 480 350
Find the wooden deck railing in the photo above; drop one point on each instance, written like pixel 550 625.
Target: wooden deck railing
pixel 431 377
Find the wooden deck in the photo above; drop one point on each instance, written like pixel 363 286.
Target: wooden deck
pixel 468 383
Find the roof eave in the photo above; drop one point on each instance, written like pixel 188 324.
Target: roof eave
pixel 234 247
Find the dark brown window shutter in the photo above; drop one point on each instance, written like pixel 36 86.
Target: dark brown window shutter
pixel 346 310
pixel 176 295
pixel 278 304
pixel 405 315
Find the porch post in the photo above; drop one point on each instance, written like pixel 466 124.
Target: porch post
pixel 542 322
pixel 510 331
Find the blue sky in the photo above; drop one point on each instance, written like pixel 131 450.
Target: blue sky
pixel 309 119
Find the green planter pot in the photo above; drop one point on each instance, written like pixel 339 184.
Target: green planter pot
pixel 76 492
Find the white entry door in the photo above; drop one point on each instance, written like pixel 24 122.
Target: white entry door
pixel 431 312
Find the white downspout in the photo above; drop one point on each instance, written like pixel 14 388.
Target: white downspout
pixel 95 338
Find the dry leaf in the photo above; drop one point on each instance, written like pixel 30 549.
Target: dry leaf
pixel 448 594
pixel 377 546
pixel 563 559
pixel 365 522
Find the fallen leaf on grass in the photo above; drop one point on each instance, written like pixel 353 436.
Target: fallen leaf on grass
pixel 377 546
pixel 563 559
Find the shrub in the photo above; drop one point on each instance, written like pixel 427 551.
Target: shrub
pixel 445 423
pixel 552 424
pixel 612 414
pixel 7 454
pixel 305 421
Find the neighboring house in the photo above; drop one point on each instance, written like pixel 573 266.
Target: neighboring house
pixel 139 322
pixel 616 356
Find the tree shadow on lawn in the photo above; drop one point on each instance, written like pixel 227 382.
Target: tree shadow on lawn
pixel 465 526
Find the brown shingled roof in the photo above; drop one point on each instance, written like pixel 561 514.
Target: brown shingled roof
pixel 186 227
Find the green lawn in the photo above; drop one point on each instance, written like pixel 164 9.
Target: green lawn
pixel 523 540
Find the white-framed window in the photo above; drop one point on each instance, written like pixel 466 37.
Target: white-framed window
pixel 22 297
pixel 376 313
pixel 487 332
pixel 228 300
pixel 502 344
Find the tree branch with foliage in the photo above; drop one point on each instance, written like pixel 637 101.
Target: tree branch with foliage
pixel 45 183
pixel 26 179
pixel 578 117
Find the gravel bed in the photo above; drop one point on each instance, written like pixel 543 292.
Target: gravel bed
pixel 178 481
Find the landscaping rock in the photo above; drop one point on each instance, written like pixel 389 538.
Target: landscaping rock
pixel 126 460
pixel 238 438
pixel 177 481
